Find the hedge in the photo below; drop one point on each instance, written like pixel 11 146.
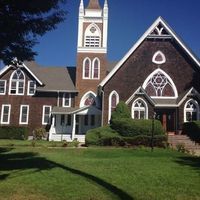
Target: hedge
pixel 192 129
pixel 129 127
pixel 20 133
pixel 105 136
pixel 99 135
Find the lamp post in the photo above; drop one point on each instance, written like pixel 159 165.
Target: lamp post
pixel 152 130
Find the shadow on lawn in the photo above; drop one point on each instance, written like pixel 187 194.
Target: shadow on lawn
pixel 194 162
pixel 29 160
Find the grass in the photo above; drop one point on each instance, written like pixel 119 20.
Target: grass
pixel 28 173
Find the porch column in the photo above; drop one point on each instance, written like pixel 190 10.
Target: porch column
pixel 51 130
pixel 73 126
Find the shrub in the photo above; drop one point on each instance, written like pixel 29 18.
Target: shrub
pixel 130 127
pixel 39 133
pixel 8 132
pixel 121 111
pixel 192 129
pixel 144 140
pixel 100 136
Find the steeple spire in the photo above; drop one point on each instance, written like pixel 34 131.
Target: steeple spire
pixel 94 4
pixel 105 4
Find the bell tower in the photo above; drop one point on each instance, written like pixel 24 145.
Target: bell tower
pixel 91 48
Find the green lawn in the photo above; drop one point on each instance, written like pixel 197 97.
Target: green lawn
pixel 30 173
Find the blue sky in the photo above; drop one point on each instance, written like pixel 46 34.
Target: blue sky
pixel 128 20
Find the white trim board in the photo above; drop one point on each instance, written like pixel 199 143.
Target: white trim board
pixel 142 38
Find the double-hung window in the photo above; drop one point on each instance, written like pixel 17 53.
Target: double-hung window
pixel 31 87
pixel 24 114
pixel 5 113
pixel 2 87
pixel 46 115
pixel 66 100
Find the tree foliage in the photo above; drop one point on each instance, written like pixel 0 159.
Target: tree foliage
pixel 121 111
pixel 22 21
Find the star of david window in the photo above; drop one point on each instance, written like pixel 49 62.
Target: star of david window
pixel 158 85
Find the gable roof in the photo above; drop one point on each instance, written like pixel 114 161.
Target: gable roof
pixel 23 65
pixel 149 32
pixel 54 78
pixel 93 4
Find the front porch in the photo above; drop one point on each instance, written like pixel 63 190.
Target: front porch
pixel 72 123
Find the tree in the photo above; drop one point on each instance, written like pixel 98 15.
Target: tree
pixel 121 111
pixel 22 21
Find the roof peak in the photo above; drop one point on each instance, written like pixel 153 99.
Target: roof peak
pixel 94 4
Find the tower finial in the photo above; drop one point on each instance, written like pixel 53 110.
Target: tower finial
pixel 105 4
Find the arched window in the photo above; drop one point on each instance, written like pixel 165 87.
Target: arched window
pixel 96 68
pixel 113 101
pixel 159 85
pixel 87 68
pixel 92 36
pixel 89 99
pixel 139 109
pixel 191 111
pixel 17 82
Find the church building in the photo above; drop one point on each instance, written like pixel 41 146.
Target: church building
pixel 158 77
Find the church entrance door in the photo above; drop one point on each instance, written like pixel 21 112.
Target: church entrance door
pixel 167 118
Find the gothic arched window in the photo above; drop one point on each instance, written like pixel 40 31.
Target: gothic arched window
pixel 191 111
pixel 158 84
pixel 96 68
pixel 139 109
pixel 113 101
pixel 17 82
pixel 92 36
pixel 89 99
pixel 87 68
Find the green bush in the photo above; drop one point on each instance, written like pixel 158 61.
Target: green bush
pixel 100 136
pixel 144 140
pixel 8 132
pixel 121 111
pixel 192 129
pixel 129 127
pixel 105 136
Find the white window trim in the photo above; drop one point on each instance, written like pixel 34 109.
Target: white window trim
pixel 87 33
pixel 4 87
pixel 20 117
pixel 185 109
pixel 99 65
pixel 28 89
pixel 133 106
pixel 159 62
pixel 110 102
pixel 82 101
pixel 43 116
pixel 17 84
pixel 70 100
pixel 170 80
pixel 90 66
pixel 2 112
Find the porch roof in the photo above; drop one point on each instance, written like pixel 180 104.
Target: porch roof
pixel 72 110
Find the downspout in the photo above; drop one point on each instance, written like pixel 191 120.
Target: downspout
pixel 102 105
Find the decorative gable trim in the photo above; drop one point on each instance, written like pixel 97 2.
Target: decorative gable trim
pixel 140 91
pixel 7 67
pixel 191 92
pixel 148 33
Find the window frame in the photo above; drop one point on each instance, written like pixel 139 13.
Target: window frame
pixel 5 84
pixel 2 113
pixel 93 65
pixel 27 114
pixel 64 98
pixel 190 110
pixel 28 89
pixel 110 103
pixel 90 68
pixel 17 83
pixel 43 114
pixel 139 109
